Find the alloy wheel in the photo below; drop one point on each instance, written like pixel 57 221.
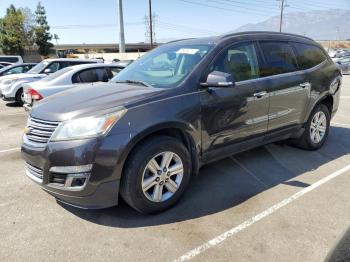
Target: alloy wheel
pixel 318 127
pixel 162 176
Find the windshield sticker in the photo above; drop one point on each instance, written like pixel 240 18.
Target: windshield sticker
pixel 188 51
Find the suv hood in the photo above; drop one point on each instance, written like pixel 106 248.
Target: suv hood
pixel 89 99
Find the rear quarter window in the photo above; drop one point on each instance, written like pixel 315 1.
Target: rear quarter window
pixel 279 58
pixel 308 56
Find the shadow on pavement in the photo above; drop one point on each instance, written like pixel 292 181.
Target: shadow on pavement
pixel 13 104
pixel 225 184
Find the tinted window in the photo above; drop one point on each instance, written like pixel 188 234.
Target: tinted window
pixel 240 61
pixel 9 59
pixel 279 58
pixel 113 71
pixel 72 63
pixel 15 70
pixel 101 75
pixel 86 76
pixel 309 56
pixel 55 66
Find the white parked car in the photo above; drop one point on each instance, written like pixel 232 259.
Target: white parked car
pixel 68 78
pixel 13 59
pixel 11 87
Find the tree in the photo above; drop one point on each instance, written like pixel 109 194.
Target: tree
pixel 29 26
pixel 12 35
pixel 42 31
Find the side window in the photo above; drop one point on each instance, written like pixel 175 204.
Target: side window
pixel 112 71
pixel 240 61
pixel 309 56
pixel 101 75
pixel 279 58
pixel 86 76
pixel 16 70
pixel 64 65
pixel 54 66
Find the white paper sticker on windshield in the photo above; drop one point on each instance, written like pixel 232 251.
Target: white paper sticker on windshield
pixel 187 51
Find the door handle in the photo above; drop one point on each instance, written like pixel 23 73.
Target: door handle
pixel 260 94
pixel 304 85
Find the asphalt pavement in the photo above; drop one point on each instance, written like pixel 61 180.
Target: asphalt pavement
pixel 272 203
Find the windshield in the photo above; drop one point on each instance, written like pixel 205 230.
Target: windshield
pixel 3 69
pixel 166 66
pixel 57 74
pixel 38 68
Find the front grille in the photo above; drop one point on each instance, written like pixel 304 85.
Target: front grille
pixel 40 131
pixel 34 173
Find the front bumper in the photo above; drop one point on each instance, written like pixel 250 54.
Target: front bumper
pixel 5 98
pixel 101 189
pixel 6 94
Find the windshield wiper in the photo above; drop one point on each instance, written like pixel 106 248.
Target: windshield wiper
pixel 133 82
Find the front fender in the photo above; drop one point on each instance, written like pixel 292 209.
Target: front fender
pixel 185 129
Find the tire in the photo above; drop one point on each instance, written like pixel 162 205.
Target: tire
pixel 19 96
pixel 138 172
pixel 308 141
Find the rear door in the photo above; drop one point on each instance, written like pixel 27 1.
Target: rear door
pixel 287 86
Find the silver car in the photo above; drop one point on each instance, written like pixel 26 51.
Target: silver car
pixel 344 65
pixel 68 78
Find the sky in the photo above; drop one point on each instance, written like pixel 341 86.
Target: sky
pixel 91 21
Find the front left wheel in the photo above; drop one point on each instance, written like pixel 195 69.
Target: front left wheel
pixel 156 174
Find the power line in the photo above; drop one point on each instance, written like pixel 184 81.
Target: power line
pixel 221 8
pixel 249 8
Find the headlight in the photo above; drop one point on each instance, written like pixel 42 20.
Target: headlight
pixel 87 127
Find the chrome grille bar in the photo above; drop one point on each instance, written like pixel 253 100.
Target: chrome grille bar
pixel 34 173
pixel 40 131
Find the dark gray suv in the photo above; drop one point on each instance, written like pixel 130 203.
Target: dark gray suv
pixel 147 132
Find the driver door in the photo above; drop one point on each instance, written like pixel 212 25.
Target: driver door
pixel 235 114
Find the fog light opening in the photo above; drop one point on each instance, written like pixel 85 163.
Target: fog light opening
pixel 78 182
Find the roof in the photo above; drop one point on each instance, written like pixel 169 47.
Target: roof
pixel 264 33
pixel 86 66
pixel 72 59
pixel 251 35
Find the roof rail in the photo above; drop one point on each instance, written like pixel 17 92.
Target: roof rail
pixel 178 40
pixel 263 32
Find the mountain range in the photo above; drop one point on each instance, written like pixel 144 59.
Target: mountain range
pixel 320 25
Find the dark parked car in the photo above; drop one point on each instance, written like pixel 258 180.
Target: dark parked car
pixel 16 69
pixel 181 106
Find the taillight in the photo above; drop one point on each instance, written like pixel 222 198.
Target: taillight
pixel 35 95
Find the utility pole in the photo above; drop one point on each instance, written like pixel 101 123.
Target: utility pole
pixel 121 28
pixel 281 18
pixel 150 22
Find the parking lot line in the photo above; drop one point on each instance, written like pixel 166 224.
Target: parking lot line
pixel 248 171
pixel 10 149
pixel 221 238
pixel 341 124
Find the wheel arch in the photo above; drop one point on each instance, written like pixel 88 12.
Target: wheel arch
pixel 179 131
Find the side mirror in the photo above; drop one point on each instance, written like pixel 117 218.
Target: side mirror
pixel 47 71
pixel 219 79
